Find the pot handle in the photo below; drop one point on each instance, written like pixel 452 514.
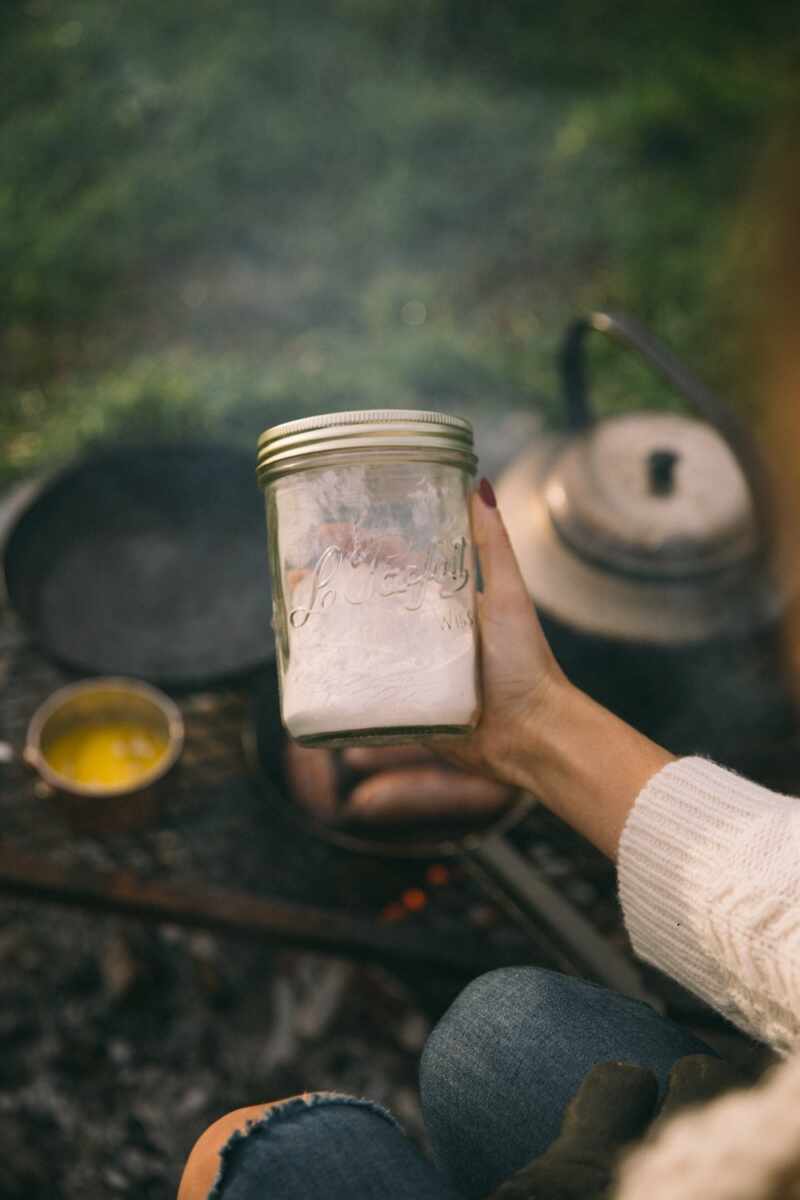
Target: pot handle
pixel 634 336
pixel 516 885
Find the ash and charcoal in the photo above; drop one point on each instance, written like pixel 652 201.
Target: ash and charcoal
pixel 119 1045
pixel 121 1042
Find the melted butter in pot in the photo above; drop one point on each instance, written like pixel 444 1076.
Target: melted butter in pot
pixel 106 754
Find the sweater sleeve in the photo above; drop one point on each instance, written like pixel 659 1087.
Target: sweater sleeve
pixel 709 870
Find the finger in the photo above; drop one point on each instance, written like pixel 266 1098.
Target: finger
pixel 311 775
pixel 420 793
pixel 696 1079
pixel 295 576
pixel 614 1105
pixel 503 585
pixel 381 758
pixel 506 613
pixel 460 751
pixel 366 543
pixel 358 546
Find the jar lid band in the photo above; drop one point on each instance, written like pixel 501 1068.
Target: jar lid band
pixel 295 445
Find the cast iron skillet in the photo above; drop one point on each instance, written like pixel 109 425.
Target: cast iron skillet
pixel 483 848
pixel 149 562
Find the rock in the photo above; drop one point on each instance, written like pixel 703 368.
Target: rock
pixel 120 969
pixel 115 1179
pixel 137 1165
pixel 412 1032
pixel 193 1100
pixel 203 947
pixel 120 1052
pixel 319 995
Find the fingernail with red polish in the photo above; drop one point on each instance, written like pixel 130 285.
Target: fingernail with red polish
pixel 486 493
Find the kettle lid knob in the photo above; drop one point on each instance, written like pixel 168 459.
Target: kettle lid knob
pixel 661 471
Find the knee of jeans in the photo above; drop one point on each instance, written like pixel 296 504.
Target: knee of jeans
pixel 202 1164
pixel 468 1034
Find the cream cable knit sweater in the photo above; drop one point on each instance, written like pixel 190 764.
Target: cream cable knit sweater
pixel 709 871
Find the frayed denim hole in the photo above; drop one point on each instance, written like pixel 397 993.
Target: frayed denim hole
pixel 288 1108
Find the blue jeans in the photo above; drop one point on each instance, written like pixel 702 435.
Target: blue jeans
pixel 496 1075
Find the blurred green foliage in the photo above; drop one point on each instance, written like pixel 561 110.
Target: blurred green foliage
pixel 221 213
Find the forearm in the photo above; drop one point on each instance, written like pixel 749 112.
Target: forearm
pixel 583 763
pixel 710 889
pixel 709 880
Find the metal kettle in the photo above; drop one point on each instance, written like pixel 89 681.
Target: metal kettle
pixel 643 538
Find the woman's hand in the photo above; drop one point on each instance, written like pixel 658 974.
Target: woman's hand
pixel 615 1106
pixel 537 731
pixel 522 682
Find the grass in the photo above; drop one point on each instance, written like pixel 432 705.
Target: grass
pixel 215 215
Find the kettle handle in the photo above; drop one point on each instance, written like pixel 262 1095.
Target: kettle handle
pixel 633 335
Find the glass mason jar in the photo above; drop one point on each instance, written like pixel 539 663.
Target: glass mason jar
pixel 373 575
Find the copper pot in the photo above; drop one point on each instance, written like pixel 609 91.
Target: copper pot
pixel 100 808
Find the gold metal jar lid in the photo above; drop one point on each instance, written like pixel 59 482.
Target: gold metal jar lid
pixel 298 445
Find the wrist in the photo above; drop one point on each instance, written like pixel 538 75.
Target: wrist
pixel 582 762
pixel 539 744
pixel 520 748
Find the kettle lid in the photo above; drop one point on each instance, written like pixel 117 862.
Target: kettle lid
pixel 686 603
pixel 653 495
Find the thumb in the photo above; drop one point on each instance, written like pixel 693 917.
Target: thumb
pixel 504 588
pixel 614 1105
